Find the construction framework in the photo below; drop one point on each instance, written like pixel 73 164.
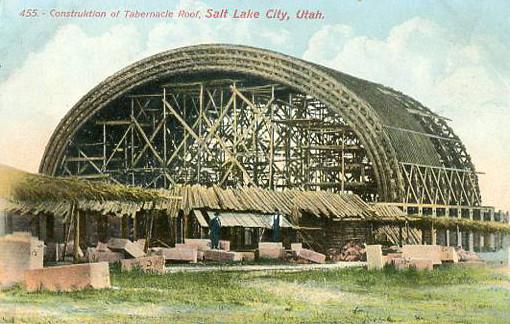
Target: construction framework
pixel 238 116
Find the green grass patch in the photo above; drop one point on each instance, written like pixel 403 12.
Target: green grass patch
pixel 354 295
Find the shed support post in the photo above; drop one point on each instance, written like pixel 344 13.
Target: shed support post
pixel 400 235
pixel 471 235
pixel 76 254
pixel 433 234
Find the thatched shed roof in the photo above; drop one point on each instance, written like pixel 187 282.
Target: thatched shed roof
pixel 463 224
pixel 28 193
pixel 290 202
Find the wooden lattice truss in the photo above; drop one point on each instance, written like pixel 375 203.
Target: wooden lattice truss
pixel 225 132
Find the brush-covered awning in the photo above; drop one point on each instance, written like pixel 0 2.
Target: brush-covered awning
pixel 35 194
pixel 248 220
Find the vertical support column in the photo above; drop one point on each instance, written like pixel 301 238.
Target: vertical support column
pixel 400 235
pixel 165 157
pixel 76 247
pixel 447 232
pixel 343 166
pixel 135 226
pixel 104 148
pixel 471 235
pixel 201 130
pixel 131 166
pixel 50 228
pixel 83 229
pixel 43 235
pixel 492 238
pixel 271 143
pixel 124 229
pixel 433 232
pixel 482 234
pixel 459 233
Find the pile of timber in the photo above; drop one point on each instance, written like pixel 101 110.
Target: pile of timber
pixel 351 251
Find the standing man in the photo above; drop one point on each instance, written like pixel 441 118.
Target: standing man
pixel 215 230
pixel 276 225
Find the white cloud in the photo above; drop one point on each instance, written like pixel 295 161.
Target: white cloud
pixel 37 95
pixel 454 75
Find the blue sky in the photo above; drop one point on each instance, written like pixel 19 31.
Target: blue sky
pixel 450 55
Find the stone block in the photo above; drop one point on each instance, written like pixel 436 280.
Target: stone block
pixel 102 247
pixel 296 246
pixel 270 245
pixel 311 256
pixel 179 254
pixel 125 245
pixel 400 264
pixel 390 257
pixel 94 255
pixel 222 256
pixel 448 254
pixel 432 252
pixel 154 263
pixel 69 277
pixel 375 260
pixel 140 243
pixel 19 252
pixel 271 250
pixel 224 245
pixel 420 264
pixel 247 256
pixel 271 253
pixel 199 244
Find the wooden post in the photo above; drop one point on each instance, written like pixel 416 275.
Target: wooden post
pixel 83 229
pixel 135 227
pixel 400 235
pixel 433 234
pixel 407 232
pixel 124 228
pixel 50 228
pixel 76 257
pixel 186 226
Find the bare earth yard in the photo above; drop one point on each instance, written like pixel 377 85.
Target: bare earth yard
pixel 353 295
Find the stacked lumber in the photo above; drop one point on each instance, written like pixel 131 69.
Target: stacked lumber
pixel 351 251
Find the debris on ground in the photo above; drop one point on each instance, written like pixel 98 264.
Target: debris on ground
pixel 351 251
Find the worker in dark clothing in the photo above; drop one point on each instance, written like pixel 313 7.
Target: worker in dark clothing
pixel 276 225
pixel 215 230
